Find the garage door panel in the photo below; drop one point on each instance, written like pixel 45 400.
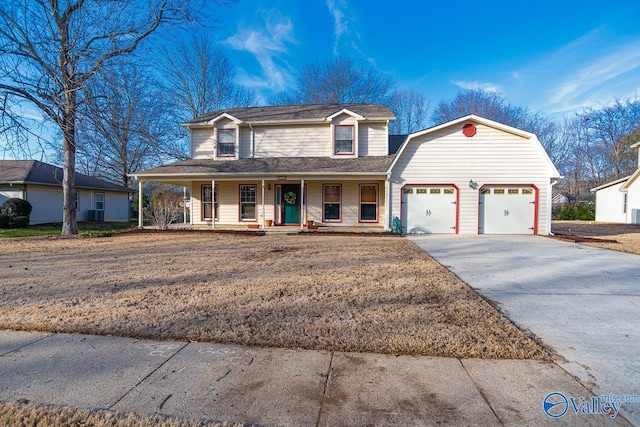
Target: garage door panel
pixel 507 210
pixel 430 210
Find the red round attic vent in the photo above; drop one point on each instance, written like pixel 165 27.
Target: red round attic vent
pixel 469 130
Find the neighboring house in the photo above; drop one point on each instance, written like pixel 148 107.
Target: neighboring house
pixel 41 185
pixel 337 165
pixel 619 200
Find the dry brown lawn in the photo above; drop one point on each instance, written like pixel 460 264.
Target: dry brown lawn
pixel 627 235
pixel 342 293
pixel 24 414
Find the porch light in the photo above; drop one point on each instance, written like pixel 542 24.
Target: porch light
pixel 473 184
pixel 269 186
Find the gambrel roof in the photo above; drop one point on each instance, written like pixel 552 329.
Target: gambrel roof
pixel 36 172
pixel 296 113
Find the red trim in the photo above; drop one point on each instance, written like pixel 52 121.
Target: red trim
pixel 218 143
pixel 353 140
pixel 360 184
pixel 333 221
pixel 255 205
pixel 536 200
pixel 457 190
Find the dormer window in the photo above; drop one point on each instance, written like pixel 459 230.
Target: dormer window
pixel 226 142
pixel 344 140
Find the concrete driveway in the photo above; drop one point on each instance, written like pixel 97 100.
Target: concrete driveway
pixel 582 301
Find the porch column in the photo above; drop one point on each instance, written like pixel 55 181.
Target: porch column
pixel 263 211
pixel 191 203
pixel 184 205
pixel 303 202
pixel 387 205
pixel 140 204
pixel 213 203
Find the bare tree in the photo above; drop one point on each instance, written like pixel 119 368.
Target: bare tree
pixel 411 109
pixel 611 130
pixel 122 126
pixel 338 80
pixel 198 78
pixel 50 49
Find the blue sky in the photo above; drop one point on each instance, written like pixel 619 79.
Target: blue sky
pixel 554 56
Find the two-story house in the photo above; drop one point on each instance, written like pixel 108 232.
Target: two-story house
pixel 336 165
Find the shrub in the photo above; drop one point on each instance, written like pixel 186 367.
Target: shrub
pixel 580 211
pixel 21 221
pixel 164 207
pixel 5 221
pixel 16 207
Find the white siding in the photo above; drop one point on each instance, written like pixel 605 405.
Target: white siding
pixel 304 140
pixel 293 141
pixel 609 204
pixel 373 139
pixel 228 197
pixel 7 193
pixel 202 143
pixel 116 206
pixel 492 156
pixel 46 202
pixel 633 198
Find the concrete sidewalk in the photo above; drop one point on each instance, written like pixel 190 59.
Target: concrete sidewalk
pixel 278 386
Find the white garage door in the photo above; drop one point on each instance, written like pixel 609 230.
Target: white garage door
pixel 429 209
pixel 507 210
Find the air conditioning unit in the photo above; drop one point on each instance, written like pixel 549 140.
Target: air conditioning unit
pixel 635 216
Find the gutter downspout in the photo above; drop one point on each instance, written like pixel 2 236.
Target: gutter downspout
pixel 387 207
pixel 253 140
pixel 550 206
pixel 263 211
pixel 140 204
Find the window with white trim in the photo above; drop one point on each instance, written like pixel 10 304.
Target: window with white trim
pixel 624 203
pixel 343 135
pixel 368 202
pixel 209 202
pixel 332 202
pixel 226 142
pixel 99 201
pixel 247 202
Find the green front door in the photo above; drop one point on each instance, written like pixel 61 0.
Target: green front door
pixel 291 204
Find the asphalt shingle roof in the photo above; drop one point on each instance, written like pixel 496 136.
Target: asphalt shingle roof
pixel 36 172
pixel 275 165
pixel 297 112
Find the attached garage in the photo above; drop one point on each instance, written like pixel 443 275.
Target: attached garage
pixel 498 180
pixel 430 209
pixel 507 210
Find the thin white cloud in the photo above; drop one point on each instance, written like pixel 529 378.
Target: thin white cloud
pixel 345 31
pixel 267 44
pixel 476 85
pixel 597 72
pixel 587 71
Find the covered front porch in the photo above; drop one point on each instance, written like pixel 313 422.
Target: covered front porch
pixel 281 192
pixel 284 202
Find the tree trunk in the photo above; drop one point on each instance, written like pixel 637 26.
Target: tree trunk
pixel 69 220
